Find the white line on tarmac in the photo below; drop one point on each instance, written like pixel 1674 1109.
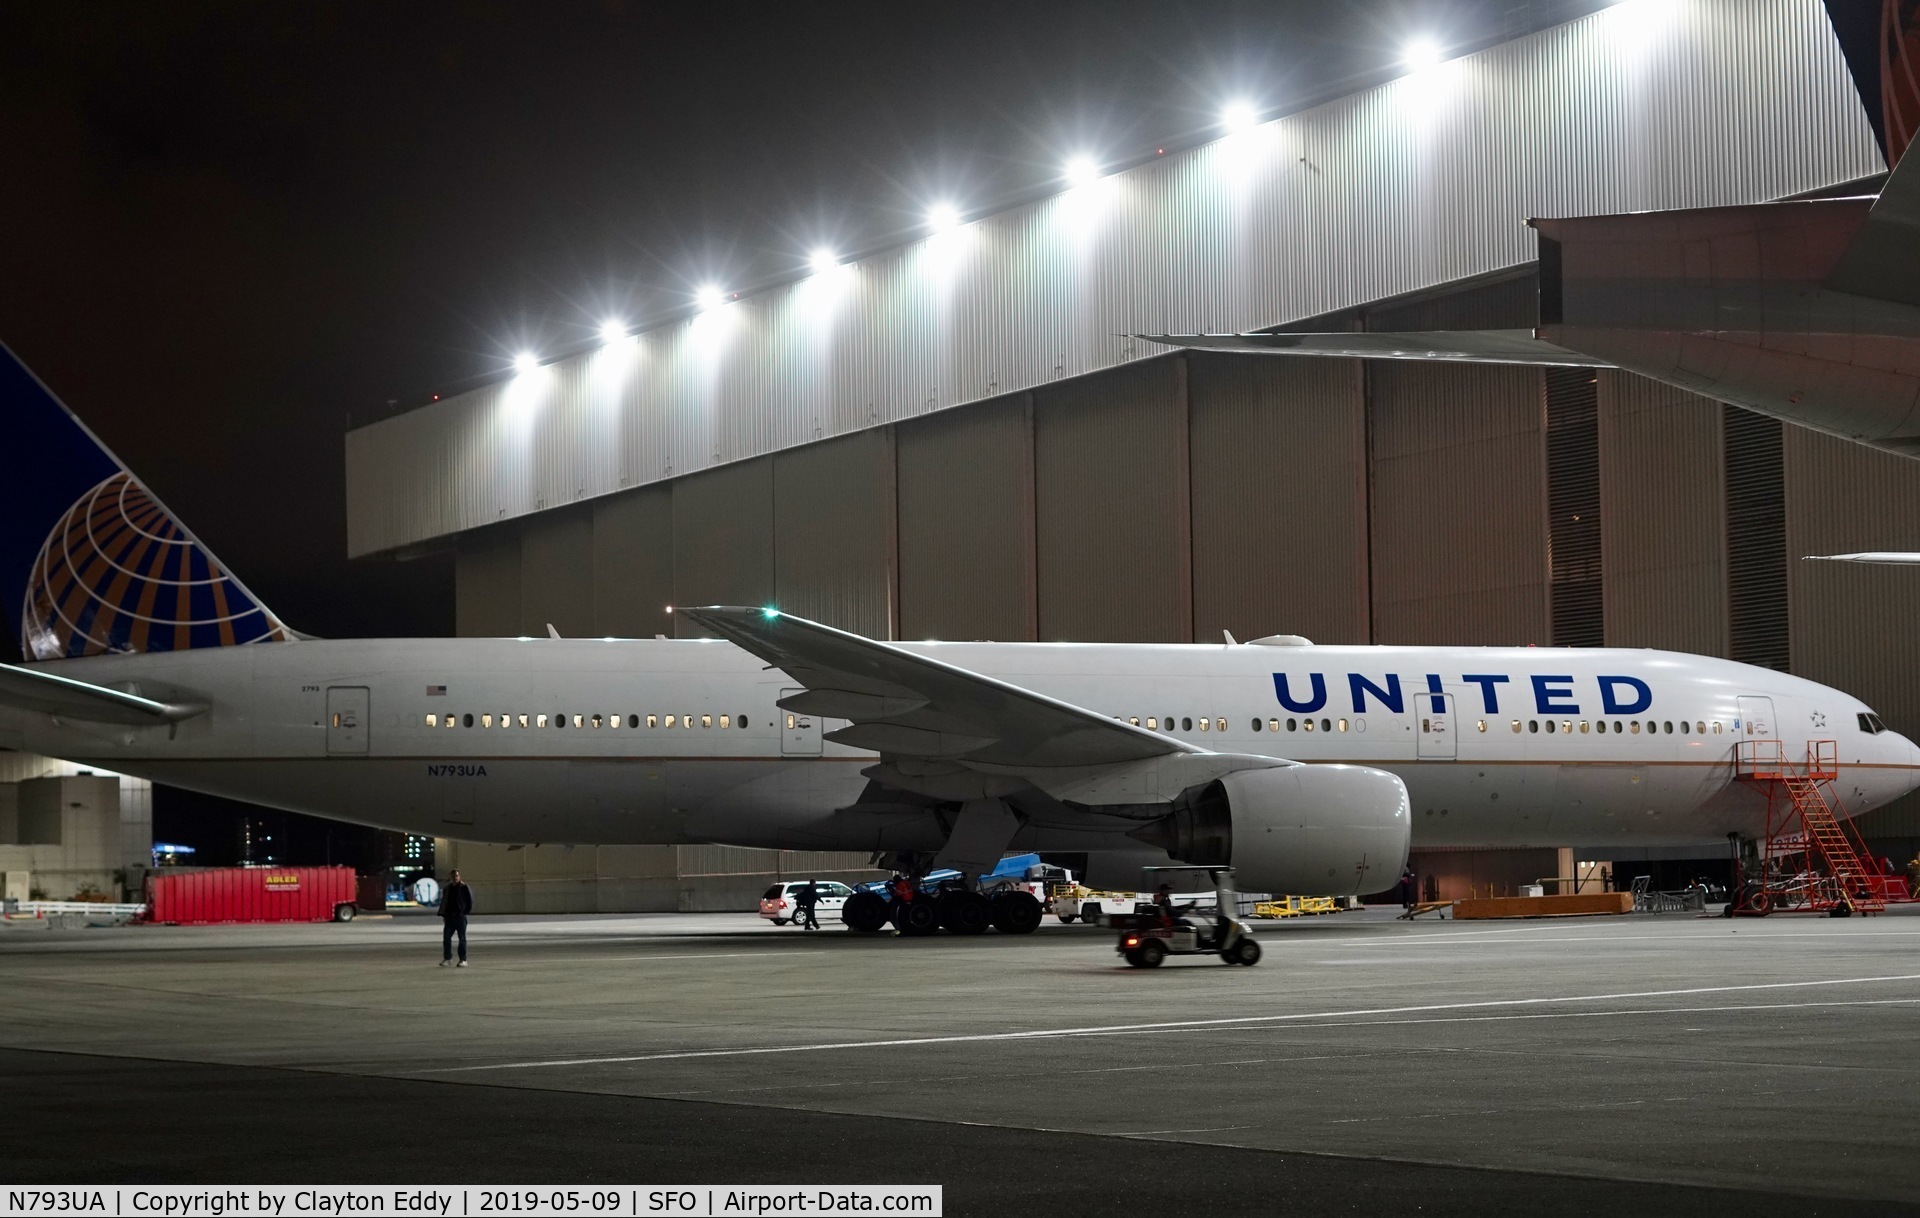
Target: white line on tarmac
pixel 1114 1029
pixel 772 955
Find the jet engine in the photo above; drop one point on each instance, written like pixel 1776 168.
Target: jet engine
pixel 1320 830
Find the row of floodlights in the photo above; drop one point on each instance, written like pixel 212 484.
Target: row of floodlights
pixel 1236 117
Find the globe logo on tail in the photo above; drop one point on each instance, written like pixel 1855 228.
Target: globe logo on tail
pixel 118 574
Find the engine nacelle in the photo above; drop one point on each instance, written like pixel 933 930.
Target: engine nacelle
pixel 1309 830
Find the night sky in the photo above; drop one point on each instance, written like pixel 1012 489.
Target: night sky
pixel 228 228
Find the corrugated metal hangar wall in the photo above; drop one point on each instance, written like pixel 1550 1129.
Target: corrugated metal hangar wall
pixel 956 441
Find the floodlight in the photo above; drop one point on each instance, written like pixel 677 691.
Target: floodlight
pixel 823 260
pixel 612 330
pixel 710 297
pixel 942 217
pixel 526 361
pixel 1082 171
pixel 1239 116
pixel 1420 54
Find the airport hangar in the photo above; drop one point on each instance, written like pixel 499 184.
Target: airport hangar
pixel 955 438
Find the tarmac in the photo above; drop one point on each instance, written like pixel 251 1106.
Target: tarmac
pixel 1647 1062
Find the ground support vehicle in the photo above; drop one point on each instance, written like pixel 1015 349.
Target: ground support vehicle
pixel 1148 937
pixel 943 900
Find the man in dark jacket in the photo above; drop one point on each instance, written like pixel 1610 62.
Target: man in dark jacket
pixel 804 901
pixel 456 902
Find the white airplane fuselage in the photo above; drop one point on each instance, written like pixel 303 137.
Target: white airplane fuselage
pixel 464 738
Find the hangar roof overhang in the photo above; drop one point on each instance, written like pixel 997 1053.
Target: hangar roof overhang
pixel 1424 181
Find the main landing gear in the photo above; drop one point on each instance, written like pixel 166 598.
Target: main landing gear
pixel 957 911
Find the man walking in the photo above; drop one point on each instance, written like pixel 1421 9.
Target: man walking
pixel 806 899
pixel 456 902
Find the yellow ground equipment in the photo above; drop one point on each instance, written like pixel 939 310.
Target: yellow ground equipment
pixel 1295 907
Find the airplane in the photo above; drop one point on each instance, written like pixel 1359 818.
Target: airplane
pixel 1306 768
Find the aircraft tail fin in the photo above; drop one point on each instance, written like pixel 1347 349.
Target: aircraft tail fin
pixel 90 561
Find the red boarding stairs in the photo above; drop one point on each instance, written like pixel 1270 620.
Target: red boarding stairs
pixel 1810 861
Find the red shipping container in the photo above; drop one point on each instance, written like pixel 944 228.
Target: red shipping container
pixel 249 894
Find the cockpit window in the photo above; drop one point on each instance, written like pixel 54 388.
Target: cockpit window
pixel 1870 723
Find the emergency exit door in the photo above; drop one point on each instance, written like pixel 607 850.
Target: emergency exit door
pixel 1434 715
pixel 346 720
pixel 799 733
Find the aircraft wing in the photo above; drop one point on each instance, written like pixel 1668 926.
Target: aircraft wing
pixel 49 693
pixel 1883 259
pixel 950 732
pixel 1468 346
pixel 1890 558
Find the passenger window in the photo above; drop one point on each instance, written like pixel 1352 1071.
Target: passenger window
pixel 1633 725
pixel 1256 725
pixel 1566 727
pixel 706 721
pixel 1153 724
pixel 1583 727
pixel 1343 725
pixel 433 721
pixel 1669 727
pixel 466 720
pixel 540 721
pixel 523 721
pixel 726 721
pixel 653 721
pixel 1205 724
pixel 1292 725
pixel 1549 727
pixel 1326 725
pixel 1533 725
pixel 1700 728
pixel 1220 724
pixel 1684 726
pixel 578 720
pixel 1426 725
pixel 686 722
pixel 1716 727
pixel 1309 724
pixel 595 721
pixel 486 721
pixel 1516 726
pixel 559 721
pixel 1186 725
pixel 1483 725
pixel 1273 725
pixel 743 723
pixel 1135 720
pixel 670 720
pixel 791 720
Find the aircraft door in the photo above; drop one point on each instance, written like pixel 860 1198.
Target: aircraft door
pixel 1756 718
pixel 346 720
pixel 799 734
pixel 1435 714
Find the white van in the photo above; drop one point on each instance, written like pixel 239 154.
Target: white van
pixel 778 905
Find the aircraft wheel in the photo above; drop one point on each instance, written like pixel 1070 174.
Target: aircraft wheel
pixel 1016 913
pixel 918 918
pixel 1245 952
pixel 964 913
pixel 1151 952
pixel 864 912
